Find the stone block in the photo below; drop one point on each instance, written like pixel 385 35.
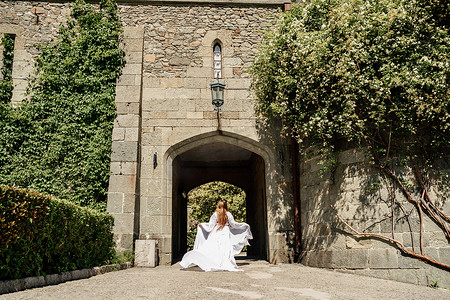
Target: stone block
pixel 115 203
pixel 20 84
pixel 134 32
pixel 358 243
pixel 52 279
pixel 404 275
pixel 194 114
pixel 232 61
pixel 134 45
pixel 437 239
pixel 123 223
pixel 149 94
pixel 337 242
pixel 152 186
pixel 18 96
pixel 407 262
pixel 131 134
pixel 22 69
pixel 165 243
pixel 132 68
pixel 66 276
pixel 187 105
pixel 128 93
pixel 133 57
pixel 22 55
pixel 127 108
pixel 150 224
pixel 321 259
pixel 248 114
pixel 241 83
pixel 171 82
pixel 383 258
pixel 129 203
pixel 145 253
pixel 176 114
pixel 195 83
pixel 430 225
pixel 199 72
pixel 411 239
pixel 129 79
pixel 377 273
pixel 124 241
pixel 118 134
pixel 123 168
pixel 128 120
pixel 151 206
pixel 165 258
pixel 444 255
pixel 124 151
pixel 350 258
pixel 80 274
pixel 11 286
pixel 179 61
pixel 150 82
pixel 33 282
pixel 122 184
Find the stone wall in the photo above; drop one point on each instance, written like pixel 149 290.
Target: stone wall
pixel 170 92
pixel 360 196
pixel 32 22
pixel 164 101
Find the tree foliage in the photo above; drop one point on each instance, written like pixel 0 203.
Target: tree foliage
pixel 371 72
pixel 202 202
pixel 59 142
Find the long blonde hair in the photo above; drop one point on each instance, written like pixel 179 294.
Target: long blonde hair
pixel 222 218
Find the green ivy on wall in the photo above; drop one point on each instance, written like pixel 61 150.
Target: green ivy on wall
pixel 370 73
pixel 59 142
pixel 6 84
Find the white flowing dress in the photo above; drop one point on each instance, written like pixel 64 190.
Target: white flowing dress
pixel 214 250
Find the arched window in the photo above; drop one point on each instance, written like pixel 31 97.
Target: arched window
pixel 217 61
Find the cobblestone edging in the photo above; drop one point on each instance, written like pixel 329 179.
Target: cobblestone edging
pixel 10 286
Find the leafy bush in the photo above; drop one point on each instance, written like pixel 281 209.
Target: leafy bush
pixel 363 70
pixel 40 234
pixel 59 142
pixel 203 201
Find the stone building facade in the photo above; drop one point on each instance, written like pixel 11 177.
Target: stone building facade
pixel 349 193
pixel 167 139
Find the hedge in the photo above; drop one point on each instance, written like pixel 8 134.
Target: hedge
pixel 40 234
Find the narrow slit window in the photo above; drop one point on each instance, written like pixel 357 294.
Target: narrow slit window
pixel 217 61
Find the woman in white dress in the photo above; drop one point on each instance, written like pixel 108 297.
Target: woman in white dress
pixel 217 242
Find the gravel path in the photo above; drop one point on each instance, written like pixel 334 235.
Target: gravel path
pixel 259 280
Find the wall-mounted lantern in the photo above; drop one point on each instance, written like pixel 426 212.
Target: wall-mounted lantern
pixel 217 93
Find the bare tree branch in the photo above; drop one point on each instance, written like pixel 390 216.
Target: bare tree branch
pixel 399 244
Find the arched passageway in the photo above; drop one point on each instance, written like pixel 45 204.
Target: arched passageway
pixel 218 160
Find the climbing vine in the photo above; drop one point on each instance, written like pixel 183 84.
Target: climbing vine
pixel 371 73
pixel 6 84
pixel 59 141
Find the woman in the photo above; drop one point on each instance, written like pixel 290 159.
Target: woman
pixel 217 242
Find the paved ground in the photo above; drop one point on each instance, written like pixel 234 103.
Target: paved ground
pixel 259 280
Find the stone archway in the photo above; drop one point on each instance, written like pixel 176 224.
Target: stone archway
pixel 224 157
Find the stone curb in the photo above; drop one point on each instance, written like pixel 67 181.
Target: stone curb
pixel 16 285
